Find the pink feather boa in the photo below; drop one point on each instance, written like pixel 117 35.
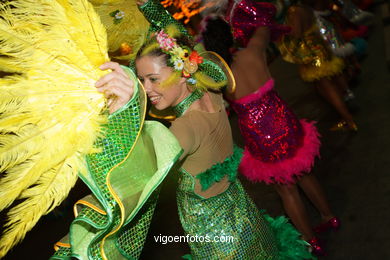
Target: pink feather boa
pixel 287 170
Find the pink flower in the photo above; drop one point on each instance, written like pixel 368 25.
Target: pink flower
pixel 166 43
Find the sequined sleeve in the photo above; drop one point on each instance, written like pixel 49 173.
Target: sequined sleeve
pixel 159 18
pixel 118 134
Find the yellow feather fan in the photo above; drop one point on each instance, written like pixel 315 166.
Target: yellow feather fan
pixel 126 26
pixel 50 111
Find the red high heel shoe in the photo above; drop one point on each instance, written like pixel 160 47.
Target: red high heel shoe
pixel 316 248
pixel 331 224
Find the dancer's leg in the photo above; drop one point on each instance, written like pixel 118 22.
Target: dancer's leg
pixel 295 209
pixel 328 89
pixel 315 193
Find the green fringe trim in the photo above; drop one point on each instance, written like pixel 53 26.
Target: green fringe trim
pixel 289 241
pixel 218 171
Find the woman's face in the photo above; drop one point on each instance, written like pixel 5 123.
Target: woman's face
pixel 152 72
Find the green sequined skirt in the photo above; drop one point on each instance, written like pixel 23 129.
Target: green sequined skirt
pixel 230 226
pixel 230 216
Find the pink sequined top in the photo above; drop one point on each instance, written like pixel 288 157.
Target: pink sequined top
pixel 271 130
pixel 245 16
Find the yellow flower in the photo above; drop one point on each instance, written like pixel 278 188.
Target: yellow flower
pixel 177 53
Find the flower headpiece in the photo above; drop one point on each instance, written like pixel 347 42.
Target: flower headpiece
pixel 182 58
pixel 202 69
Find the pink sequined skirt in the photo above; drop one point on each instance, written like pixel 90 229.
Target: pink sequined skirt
pixel 278 146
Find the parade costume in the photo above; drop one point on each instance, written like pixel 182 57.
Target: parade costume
pixel 311 53
pixel 114 221
pixel 344 37
pixel 211 200
pixel 278 146
pixel 105 150
pixel 245 16
pixel 55 128
pixel 329 33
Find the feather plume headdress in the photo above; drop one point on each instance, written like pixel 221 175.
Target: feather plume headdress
pixel 50 111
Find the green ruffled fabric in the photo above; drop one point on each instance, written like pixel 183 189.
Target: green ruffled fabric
pixel 218 171
pixel 113 223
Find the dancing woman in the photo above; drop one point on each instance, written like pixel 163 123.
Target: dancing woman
pixel 211 201
pixel 317 65
pixel 103 139
pixel 279 148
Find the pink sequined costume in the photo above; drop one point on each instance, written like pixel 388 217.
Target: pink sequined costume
pixel 278 146
pixel 245 16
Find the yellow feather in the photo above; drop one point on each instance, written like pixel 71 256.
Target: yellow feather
pixel 204 82
pixel 92 40
pixel 171 80
pixel 132 29
pixel 48 192
pixel 50 113
pixel 172 30
pixel 151 47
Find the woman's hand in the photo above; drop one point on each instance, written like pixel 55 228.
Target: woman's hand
pixel 116 86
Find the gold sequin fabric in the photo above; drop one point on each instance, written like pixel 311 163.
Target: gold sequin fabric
pixel 315 59
pixel 311 49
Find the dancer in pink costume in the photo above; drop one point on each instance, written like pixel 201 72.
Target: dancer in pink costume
pixel 279 148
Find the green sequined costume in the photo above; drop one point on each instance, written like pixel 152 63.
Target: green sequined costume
pixel 114 221
pixel 230 214
pixel 233 217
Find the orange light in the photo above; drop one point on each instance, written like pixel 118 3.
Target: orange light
pixel 185 9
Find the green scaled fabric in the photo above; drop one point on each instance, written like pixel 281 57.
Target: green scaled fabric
pixel 220 170
pixel 159 18
pixel 124 178
pixel 232 214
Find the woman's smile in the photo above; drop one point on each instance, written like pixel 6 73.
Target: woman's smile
pixel 154 99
